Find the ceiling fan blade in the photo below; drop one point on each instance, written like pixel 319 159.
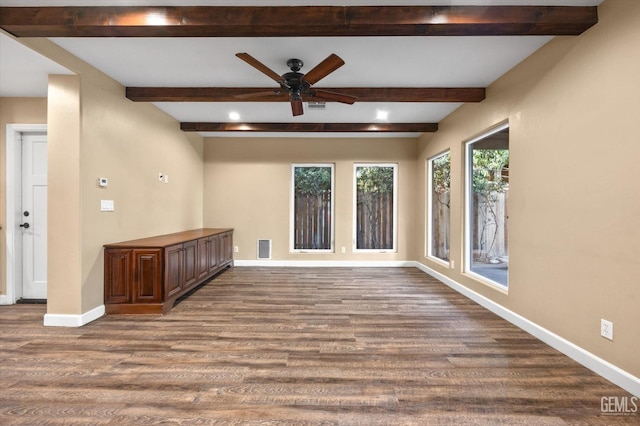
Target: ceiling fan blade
pixel 258 94
pixel 327 95
pixel 324 68
pixel 296 107
pixel 259 66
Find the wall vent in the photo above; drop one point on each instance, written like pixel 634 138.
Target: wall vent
pixel 264 249
pixel 317 106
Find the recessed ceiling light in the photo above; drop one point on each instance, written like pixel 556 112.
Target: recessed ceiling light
pixel 382 115
pixel 156 18
pixel 234 116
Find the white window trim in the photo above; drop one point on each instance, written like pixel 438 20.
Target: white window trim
pixel 467 207
pixel 292 222
pixel 354 241
pixel 429 210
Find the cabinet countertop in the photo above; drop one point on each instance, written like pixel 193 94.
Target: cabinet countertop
pixel 169 239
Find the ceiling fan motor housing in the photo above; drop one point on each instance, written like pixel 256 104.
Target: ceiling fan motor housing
pixel 294 83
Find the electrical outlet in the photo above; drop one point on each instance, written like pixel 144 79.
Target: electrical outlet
pixel 452 264
pixel 606 329
pixel 343 249
pixel 236 249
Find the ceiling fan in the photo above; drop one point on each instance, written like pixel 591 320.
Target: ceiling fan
pixel 296 84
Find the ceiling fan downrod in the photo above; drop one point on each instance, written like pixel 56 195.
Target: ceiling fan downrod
pixel 295 64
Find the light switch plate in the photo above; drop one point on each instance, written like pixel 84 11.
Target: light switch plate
pixel 106 205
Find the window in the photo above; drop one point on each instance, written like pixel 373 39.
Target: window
pixel 439 172
pixel 375 206
pixel 312 207
pixel 487 190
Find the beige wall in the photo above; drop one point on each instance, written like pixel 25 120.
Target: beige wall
pixel 14 111
pixel 247 184
pixel 130 144
pixel 94 131
pixel 574 238
pixel 64 216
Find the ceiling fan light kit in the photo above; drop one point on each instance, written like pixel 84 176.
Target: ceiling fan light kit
pixel 297 85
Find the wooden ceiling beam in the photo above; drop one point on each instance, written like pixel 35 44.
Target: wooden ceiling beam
pixel 364 94
pixel 295 21
pixel 310 127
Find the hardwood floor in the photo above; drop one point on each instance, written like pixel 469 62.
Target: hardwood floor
pixel 296 346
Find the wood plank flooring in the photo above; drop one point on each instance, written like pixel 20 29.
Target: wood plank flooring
pixel 378 346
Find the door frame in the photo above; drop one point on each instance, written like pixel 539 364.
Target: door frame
pixel 13 246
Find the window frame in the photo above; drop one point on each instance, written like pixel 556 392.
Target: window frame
pixel 468 188
pixel 429 211
pixel 292 207
pixel 355 248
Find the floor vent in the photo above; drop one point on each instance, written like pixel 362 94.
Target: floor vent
pixel 264 249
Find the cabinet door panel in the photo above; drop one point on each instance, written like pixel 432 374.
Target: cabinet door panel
pixel 226 248
pixel 117 276
pixel 203 257
pixel 229 247
pixel 221 244
pixel 173 270
pixel 147 276
pixel 213 253
pixel 190 249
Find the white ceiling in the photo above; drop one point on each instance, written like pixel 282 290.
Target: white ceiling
pixel 24 72
pixel 370 62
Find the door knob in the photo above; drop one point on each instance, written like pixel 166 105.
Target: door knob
pixel 25 225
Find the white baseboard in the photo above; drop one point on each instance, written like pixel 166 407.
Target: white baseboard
pixel 621 378
pixel 4 300
pixel 62 320
pixel 327 263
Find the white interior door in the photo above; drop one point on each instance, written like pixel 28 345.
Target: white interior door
pixel 33 222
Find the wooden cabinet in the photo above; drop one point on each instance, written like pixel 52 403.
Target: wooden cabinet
pixel 148 275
